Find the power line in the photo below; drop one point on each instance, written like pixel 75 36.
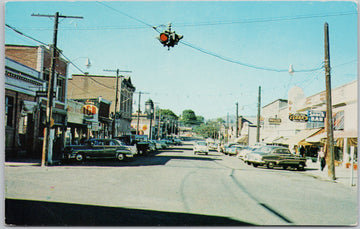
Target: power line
pixel 214 23
pixel 208 52
pixel 17 31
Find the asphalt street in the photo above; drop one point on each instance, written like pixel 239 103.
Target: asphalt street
pixel 173 187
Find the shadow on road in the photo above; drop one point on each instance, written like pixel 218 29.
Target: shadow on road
pixel 40 213
pixel 150 160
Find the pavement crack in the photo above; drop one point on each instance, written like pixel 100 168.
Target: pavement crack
pixel 238 184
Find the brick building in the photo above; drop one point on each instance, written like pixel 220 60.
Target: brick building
pixel 93 86
pixel 33 64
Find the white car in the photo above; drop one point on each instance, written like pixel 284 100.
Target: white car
pixel 201 147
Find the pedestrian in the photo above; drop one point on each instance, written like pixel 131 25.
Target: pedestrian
pixel 322 158
pixel 302 151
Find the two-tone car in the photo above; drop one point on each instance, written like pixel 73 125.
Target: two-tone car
pixel 282 157
pixel 97 149
pixel 276 156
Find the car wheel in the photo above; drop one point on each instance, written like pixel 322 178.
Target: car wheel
pixel 301 167
pixel 120 156
pixel 255 165
pixel 248 163
pixel 80 157
pixel 270 165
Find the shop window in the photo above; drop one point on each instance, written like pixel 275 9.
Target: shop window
pixel 9 111
pixel 60 89
pixel 23 124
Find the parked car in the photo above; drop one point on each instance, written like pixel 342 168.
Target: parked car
pixel 255 156
pixel 276 156
pixel 235 149
pixel 158 144
pixel 152 146
pixel 244 151
pixel 226 148
pixel 177 142
pixel 97 148
pixel 201 147
pixel 282 157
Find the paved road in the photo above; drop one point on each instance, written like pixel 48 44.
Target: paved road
pixel 173 187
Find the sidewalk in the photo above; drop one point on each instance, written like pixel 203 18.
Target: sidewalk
pixel 23 162
pixel 342 174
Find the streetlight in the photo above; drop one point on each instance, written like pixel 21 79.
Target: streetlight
pixel 149 109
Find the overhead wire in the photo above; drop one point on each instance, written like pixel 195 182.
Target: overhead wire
pixel 209 52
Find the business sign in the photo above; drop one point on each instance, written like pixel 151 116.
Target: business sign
pixel 274 121
pixel 316 116
pixel 298 117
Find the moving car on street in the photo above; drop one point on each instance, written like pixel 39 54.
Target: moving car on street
pixel 201 147
pixel 97 148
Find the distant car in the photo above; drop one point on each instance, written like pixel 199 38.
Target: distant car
pixel 201 147
pixel 235 149
pixel 227 148
pixel 177 142
pixel 97 148
pixel 244 151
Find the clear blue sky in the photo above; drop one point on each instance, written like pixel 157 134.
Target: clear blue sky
pixel 264 34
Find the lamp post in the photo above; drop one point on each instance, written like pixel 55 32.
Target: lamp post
pixel 149 109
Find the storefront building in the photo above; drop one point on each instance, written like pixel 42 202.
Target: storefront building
pixel 21 108
pixel 38 58
pixel 82 87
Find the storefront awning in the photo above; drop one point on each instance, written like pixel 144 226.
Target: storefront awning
pixel 302 135
pixel 337 134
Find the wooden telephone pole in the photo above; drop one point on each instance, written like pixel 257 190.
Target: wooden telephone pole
pixel 329 119
pixel 50 92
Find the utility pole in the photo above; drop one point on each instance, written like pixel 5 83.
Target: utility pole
pixel 116 96
pixel 258 117
pixel 329 122
pixel 237 119
pixel 138 112
pixel 50 96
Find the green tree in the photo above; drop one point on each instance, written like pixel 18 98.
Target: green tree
pixel 209 129
pixel 167 113
pixel 189 118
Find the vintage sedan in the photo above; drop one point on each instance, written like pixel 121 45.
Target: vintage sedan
pixel 97 148
pixel 282 157
pixel 276 156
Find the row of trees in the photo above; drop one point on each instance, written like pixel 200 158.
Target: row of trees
pixel 188 118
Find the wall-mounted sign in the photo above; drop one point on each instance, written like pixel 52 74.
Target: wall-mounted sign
pixel 89 109
pixel 298 117
pixel 316 116
pixel 274 121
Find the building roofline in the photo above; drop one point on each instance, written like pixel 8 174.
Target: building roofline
pixel 280 100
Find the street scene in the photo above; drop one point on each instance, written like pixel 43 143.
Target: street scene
pixel 180 113
pixel 175 187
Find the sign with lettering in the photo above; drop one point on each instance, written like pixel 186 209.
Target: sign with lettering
pixel 274 121
pixel 316 116
pixel 298 117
